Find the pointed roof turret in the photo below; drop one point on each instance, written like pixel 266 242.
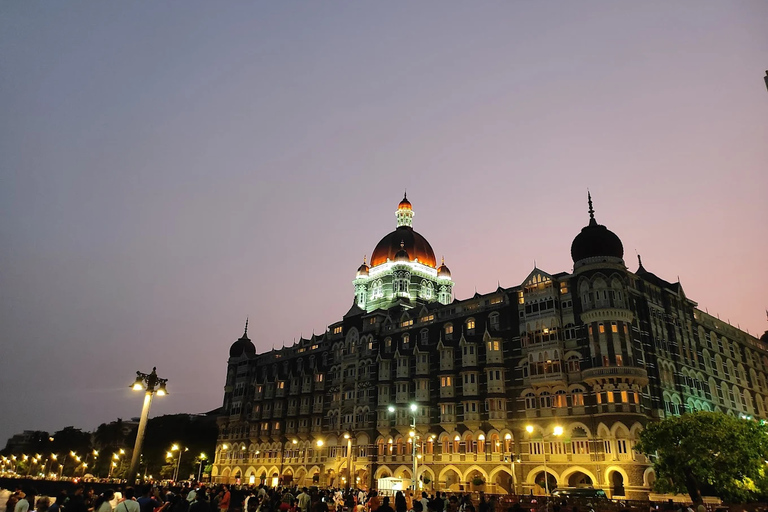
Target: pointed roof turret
pixel 363 269
pixel 595 240
pixel 242 345
pixel 442 270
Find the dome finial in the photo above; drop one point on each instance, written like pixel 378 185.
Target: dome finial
pixel 365 259
pixel 592 220
pixel 442 260
pixel 245 332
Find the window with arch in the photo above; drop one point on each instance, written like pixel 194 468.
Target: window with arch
pixel 470 324
pixel 493 321
pixel 427 290
pixel 573 363
pixel 377 290
pixel 401 283
pixel 530 400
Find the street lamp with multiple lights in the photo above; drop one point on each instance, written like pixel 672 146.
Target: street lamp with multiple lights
pixel 181 450
pixel 201 459
pixel 556 432
pixel 152 384
pixel 412 433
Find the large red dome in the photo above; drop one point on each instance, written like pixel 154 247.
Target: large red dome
pixel 406 238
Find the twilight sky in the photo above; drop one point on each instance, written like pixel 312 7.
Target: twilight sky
pixel 168 168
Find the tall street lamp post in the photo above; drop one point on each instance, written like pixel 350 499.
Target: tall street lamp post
pixel 557 432
pixel 178 461
pixel 413 408
pixel 202 458
pixel 348 437
pixel 152 384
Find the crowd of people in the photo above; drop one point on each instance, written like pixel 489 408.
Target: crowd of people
pixel 223 498
pixel 237 498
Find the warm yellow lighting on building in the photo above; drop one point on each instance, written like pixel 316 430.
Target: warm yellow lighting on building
pixel 529 429
pixel 558 430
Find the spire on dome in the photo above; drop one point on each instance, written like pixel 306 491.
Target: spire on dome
pixel 592 220
pixel 245 332
pixel 404 212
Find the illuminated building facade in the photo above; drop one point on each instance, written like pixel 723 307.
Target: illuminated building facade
pixel 598 352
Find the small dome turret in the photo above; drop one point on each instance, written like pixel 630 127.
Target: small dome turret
pixel 402 254
pixel 243 346
pixel 362 270
pixel 596 240
pixel 442 270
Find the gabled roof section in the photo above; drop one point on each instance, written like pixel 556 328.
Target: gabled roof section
pixel 652 278
pixel 536 276
pixel 355 310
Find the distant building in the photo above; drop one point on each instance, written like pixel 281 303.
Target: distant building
pixel 599 351
pixel 27 441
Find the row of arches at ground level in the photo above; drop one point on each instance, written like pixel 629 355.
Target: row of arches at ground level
pixel 500 479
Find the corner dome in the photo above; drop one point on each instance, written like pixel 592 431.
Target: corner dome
pixel 363 269
pixel 596 240
pixel 442 270
pixel 243 345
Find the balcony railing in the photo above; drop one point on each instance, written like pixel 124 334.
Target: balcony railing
pixel 617 372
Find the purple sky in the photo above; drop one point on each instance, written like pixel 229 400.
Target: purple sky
pixel 168 168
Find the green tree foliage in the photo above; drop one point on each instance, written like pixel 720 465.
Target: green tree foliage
pixel 708 452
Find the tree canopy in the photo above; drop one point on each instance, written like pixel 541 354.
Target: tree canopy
pixel 708 452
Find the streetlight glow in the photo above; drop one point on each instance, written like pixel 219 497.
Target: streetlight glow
pixel 529 429
pixel 558 430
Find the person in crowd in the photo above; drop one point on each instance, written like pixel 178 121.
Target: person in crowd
pixel 76 502
pixel 128 503
pixel 385 505
pixel 22 505
pixel 90 498
pixel 42 504
pixel 201 503
pixel 225 499
pixel 374 502
pixel 302 500
pixel 58 502
pixel 400 504
pixel 102 501
pixel 147 502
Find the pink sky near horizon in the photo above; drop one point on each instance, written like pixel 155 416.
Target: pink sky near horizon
pixel 168 171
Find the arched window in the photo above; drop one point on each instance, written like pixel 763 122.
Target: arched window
pixel 427 290
pixel 377 290
pixel 530 400
pixel 481 443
